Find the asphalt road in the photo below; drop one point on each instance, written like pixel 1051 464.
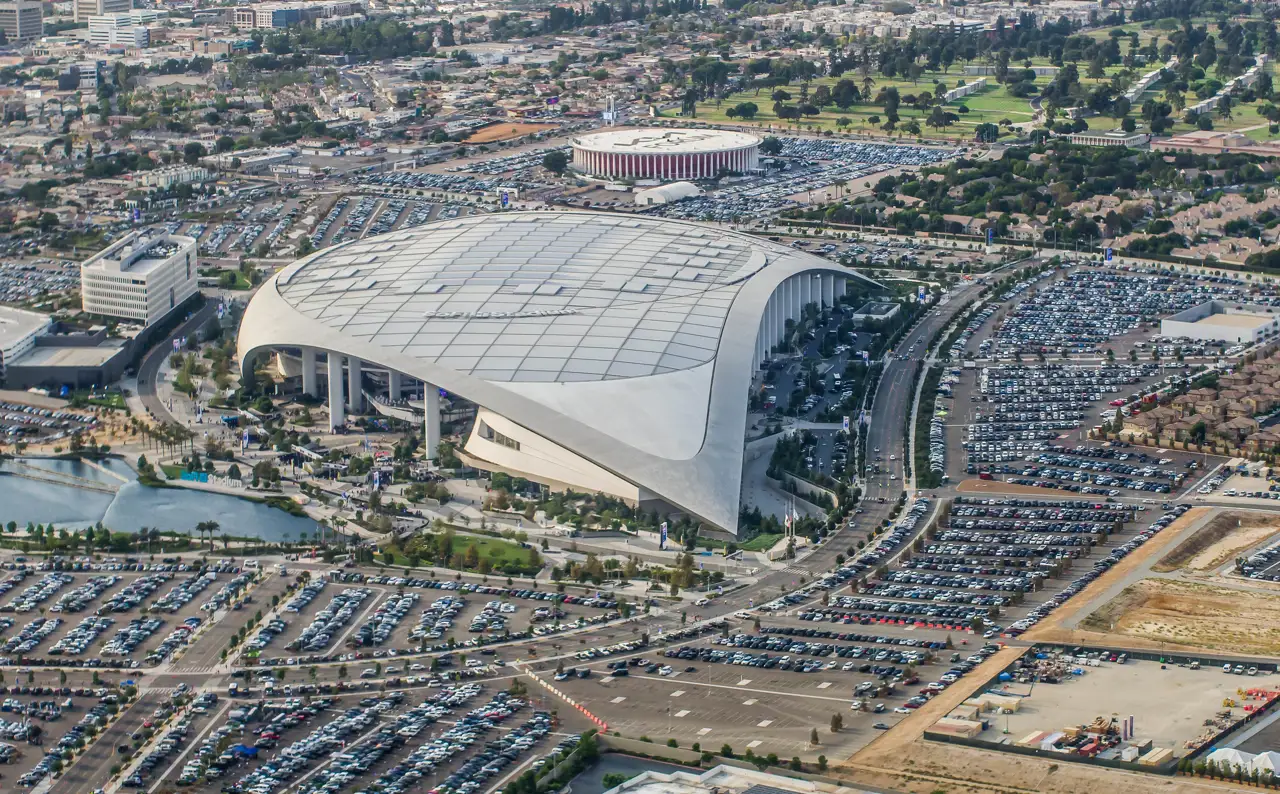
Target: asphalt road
pixel 150 367
pixel 885 428
pixel 93 769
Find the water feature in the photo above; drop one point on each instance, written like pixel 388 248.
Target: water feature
pixel 136 505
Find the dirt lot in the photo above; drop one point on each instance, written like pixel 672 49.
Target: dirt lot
pixel 1169 705
pixel 999 487
pixel 1220 541
pixel 504 132
pixel 1053 628
pixel 1193 614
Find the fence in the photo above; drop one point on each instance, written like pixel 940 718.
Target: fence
pixel 601 724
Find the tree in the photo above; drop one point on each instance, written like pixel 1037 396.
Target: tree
pixel 556 162
pixel 192 152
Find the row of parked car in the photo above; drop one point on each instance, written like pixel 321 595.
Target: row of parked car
pixel 1079 583
pixel 1087 307
pixel 81 636
pixel 34 595
pixel 340 611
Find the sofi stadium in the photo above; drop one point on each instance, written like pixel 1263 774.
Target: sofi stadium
pixel 589 351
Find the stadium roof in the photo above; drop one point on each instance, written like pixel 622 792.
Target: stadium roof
pixel 627 340
pixel 662 141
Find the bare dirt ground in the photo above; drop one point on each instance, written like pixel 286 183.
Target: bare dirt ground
pixel 1053 628
pixel 504 132
pixel 1219 541
pixel 1193 614
pixel 996 486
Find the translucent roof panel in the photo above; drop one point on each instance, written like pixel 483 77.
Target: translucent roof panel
pixel 536 297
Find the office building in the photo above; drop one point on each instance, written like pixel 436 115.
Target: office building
pixel 21 20
pixel 83 10
pixel 140 278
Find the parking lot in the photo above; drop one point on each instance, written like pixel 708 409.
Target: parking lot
pixel 91 615
pixel 27 423
pixel 993 565
pixel 803 165
pixel 36 280
pixel 1018 423
pixel 1079 311
pixel 764 690
pixel 450 738
pixel 351 617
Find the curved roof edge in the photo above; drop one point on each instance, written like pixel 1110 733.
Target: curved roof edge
pixel 707 485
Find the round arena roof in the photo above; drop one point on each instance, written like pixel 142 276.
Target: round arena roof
pixel 663 141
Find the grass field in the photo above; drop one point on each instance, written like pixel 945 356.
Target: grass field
pixel 760 542
pixel 110 399
pixel 992 105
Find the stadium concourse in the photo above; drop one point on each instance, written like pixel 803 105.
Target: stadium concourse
pixel 601 353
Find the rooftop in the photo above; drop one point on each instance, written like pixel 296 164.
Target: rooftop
pixel 89 356
pixel 652 141
pixel 138 253
pixel 876 308
pixel 535 297
pixel 1231 320
pixel 17 324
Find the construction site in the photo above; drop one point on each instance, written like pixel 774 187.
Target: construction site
pixel 1047 704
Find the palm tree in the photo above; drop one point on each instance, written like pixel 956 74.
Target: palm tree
pixel 210 528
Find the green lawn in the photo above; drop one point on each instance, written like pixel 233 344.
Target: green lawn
pixel 760 542
pixel 109 399
pixel 499 552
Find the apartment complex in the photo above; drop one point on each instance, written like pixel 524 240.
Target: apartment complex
pixel 140 278
pixel 21 20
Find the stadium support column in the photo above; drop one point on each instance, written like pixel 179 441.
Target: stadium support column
pixel 431 419
pixel 775 332
pixel 395 385
pixel 355 396
pixel 337 417
pixel 309 372
pixel 829 290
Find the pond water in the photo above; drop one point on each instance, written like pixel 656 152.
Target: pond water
pixel 135 505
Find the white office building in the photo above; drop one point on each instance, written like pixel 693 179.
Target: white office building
pixel 140 278
pixel 174 175
pixel 21 20
pixel 118 30
pixel 83 10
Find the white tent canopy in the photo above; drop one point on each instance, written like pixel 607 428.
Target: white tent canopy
pixel 1231 757
pixel 1267 762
